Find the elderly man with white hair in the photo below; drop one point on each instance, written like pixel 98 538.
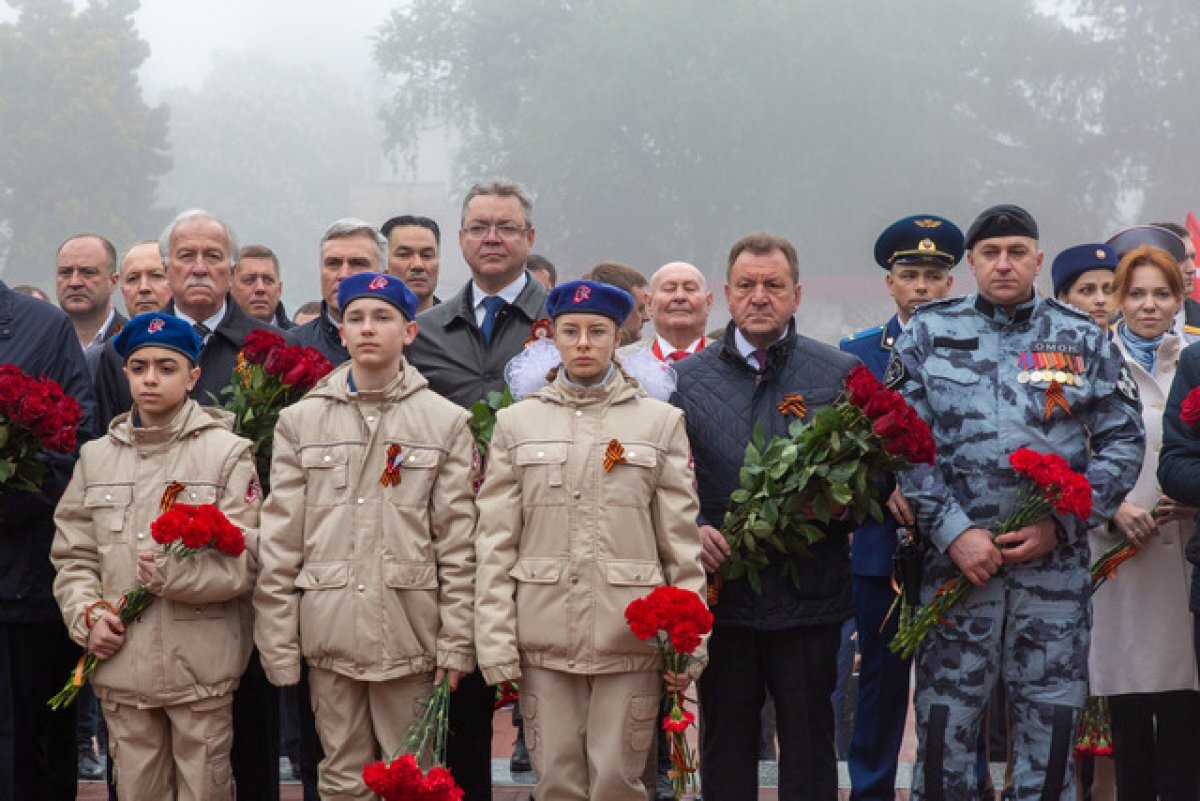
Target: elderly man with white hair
pixel 680 303
pixel 198 251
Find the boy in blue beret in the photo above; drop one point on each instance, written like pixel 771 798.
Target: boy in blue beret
pixel 368 566
pixel 165 682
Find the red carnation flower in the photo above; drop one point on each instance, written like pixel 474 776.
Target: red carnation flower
pixel 678 720
pixel 1189 410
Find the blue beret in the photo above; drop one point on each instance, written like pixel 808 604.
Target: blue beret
pixel 1077 260
pixel 378 286
pixel 590 297
pixel 158 330
pixel 920 239
pixel 1003 220
pixel 1124 241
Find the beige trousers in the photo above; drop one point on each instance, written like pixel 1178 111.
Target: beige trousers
pixel 178 752
pixel 588 736
pixel 359 722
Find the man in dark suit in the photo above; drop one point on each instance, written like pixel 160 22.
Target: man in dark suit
pixel 462 348
pixel 918 252
pixel 199 251
pixel 85 277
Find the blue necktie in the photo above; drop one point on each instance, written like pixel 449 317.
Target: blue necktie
pixel 491 307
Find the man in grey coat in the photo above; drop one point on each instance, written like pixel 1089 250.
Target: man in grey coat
pixel 462 348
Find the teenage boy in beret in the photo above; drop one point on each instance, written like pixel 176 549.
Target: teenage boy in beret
pixel 165 682
pixel 368 566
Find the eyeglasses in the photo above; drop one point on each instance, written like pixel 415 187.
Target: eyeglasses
pixel 598 336
pixel 508 231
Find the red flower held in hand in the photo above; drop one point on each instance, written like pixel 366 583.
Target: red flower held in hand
pixel 678 720
pixel 259 343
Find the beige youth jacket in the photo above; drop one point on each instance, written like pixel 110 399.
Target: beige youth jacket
pixel 368 581
pixel 194 640
pixel 563 545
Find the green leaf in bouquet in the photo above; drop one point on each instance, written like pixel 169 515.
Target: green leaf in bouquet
pixel 821 506
pixel 739 496
pixel 755 581
pixel 809 533
pixel 7 468
pixel 841 493
pixel 734 568
pixel 4 432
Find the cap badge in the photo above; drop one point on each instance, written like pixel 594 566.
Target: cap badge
pixel 926 222
pixel 1099 253
pixel 377 283
pixel 926 246
pixel 582 294
pixel 155 326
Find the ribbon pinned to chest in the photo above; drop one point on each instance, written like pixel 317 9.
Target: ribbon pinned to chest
pixel 170 495
pixel 793 405
pixel 614 454
pixel 1056 397
pixel 391 470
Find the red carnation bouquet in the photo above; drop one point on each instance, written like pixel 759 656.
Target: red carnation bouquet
pixel 1048 484
pixel 1093 735
pixel 822 469
pixel 677 621
pixel 269 376
pixel 182 530
pixel 35 415
pixel 402 778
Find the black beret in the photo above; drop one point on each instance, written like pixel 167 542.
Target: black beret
pixel 1003 220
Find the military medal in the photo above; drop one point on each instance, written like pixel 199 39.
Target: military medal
pixel 391 470
pixel 614 454
pixel 1023 377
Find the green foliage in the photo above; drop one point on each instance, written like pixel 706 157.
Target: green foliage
pixel 820 471
pixel 483 417
pixel 79 148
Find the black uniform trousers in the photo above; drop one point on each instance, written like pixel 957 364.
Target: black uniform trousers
pixel 1156 745
pixel 799 667
pixel 255 754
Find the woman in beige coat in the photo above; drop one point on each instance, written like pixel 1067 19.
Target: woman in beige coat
pixel 566 539
pixel 1141 651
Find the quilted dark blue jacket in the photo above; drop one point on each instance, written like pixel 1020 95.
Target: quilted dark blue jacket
pixel 722 398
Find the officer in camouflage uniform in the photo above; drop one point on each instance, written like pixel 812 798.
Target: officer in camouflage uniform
pixel 992 372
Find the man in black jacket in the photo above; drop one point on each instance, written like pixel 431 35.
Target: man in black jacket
pixel 37 754
pixel 462 348
pixel 199 251
pixel 785 638
pixel 348 246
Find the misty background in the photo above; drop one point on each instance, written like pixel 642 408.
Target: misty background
pixel 648 131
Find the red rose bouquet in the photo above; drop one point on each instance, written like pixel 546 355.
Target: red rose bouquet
pixel 270 375
pixel 822 469
pixel 401 779
pixel 1048 484
pixel 677 620
pixel 35 415
pixel 182 530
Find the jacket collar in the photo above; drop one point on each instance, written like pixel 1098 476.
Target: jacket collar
pixel 191 419
pixel 617 389
pixel 531 302
pixel 777 353
pixel 335 385
pixel 1021 313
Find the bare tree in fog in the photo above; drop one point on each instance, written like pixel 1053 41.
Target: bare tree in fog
pixel 273 148
pixel 80 150
pixel 656 131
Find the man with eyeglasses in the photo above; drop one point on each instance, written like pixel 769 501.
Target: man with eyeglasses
pixel 85 277
pixel 414 255
pixel 462 348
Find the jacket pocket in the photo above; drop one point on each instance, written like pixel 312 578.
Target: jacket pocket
pixel 199 493
pixel 627 580
pixel 182 611
pixel 326 474
pixel 418 469
pixel 109 505
pixel 541 604
pixel 410 575
pixel 322 576
pixel 541 467
pixel 631 482
pixel 411 618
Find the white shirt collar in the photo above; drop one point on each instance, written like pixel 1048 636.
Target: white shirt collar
pixel 211 323
pixel 98 340
pixel 508 293
pixel 666 348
